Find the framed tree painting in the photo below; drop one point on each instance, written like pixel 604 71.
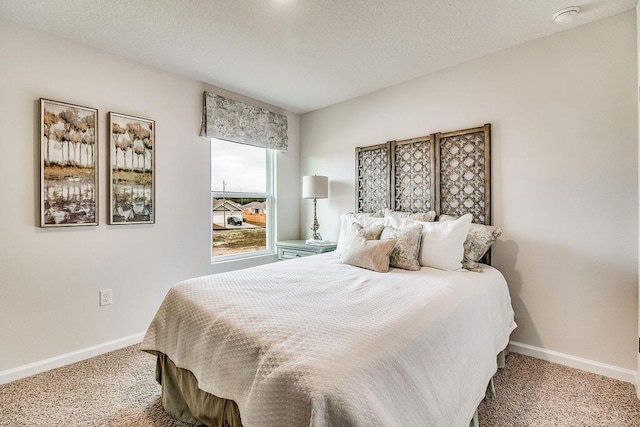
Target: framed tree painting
pixel 68 164
pixel 131 170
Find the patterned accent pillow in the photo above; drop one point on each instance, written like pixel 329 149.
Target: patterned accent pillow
pixel 479 240
pixel 356 230
pixel 418 216
pixel 407 249
pixel 369 254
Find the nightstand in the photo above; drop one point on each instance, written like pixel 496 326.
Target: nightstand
pixel 289 249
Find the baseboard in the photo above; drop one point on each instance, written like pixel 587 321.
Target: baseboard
pixel 68 358
pixel 626 375
pixel 592 366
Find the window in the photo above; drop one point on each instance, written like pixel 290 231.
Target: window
pixel 242 203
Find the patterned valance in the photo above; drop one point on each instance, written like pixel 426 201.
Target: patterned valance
pixel 235 121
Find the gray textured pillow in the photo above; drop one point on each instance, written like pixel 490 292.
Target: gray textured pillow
pixel 405 253
pixel 357 230
pixel 418 216
pixel 369 254
pixel 479 240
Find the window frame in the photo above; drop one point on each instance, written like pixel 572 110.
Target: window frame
pixel 270 198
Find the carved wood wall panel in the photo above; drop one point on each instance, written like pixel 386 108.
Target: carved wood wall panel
pixel 464 162
pixel 412 170
pixel 446 172
pixel 373 169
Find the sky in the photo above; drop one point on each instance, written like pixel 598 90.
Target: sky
pixel 242 167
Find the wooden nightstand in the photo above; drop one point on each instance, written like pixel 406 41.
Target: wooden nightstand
pixel 289 249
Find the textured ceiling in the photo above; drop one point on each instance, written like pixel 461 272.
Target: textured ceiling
pixel 302 54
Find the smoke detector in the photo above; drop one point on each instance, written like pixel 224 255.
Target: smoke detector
pixel 566 15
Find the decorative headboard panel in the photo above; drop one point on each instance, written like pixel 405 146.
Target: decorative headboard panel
pixel 413 162
pixel 446 172
pixel 373 167
pixel 463 173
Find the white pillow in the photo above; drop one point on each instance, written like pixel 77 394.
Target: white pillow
pixel 400 223
pixel 442 243
pixel 345 227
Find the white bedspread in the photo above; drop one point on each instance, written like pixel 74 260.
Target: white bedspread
pixel 312 342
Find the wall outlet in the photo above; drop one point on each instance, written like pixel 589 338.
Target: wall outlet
pixel 106 297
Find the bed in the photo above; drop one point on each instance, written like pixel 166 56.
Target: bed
pixel 316 342
pixel 319 342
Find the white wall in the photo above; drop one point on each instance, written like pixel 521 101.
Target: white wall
pixel 50 278
pixel 565 179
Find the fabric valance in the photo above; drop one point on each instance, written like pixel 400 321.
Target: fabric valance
pixel 235 121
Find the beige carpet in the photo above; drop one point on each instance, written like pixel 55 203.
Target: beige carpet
pixel 119 389
pixel 532 392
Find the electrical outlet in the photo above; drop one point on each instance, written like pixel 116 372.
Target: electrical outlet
pixel 106 297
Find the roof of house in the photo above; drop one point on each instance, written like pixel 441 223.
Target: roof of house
pixel 255 205
pixel 225 205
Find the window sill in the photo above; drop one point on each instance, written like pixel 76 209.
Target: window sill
pixel 257 258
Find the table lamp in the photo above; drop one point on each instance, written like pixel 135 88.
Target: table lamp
pixel 315 187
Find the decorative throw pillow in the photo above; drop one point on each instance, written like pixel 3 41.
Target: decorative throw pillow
pixel 478 241
pixel 442 243
pixel 345 228
pixel 372 232
pixel 405 253
pixel 369 254
pixel 378 214
pixel 418 216
pixel 369 233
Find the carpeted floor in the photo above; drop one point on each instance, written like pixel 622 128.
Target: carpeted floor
pixel 119 389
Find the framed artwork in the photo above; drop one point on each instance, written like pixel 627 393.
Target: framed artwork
pixel 131 170
pixel 68 164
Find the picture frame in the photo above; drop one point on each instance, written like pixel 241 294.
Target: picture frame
pixel 68 164
pixel 131 169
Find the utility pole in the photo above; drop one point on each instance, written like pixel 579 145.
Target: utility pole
pixel 224 203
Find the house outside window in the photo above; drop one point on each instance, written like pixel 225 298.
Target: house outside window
pixel 242 202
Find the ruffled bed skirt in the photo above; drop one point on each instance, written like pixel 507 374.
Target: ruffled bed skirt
pixel 491 388
pixel 183 400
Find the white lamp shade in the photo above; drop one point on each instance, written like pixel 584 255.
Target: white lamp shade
pixel 315 187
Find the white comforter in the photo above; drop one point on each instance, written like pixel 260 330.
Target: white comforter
pixel 312 342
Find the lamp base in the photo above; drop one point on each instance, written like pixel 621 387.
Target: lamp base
pixel 315 236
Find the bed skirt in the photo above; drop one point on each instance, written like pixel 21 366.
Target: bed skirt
pixel 184 401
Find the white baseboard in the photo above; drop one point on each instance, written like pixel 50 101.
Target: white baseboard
pixel 626 375
pixel 68 358
pixel 592 366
